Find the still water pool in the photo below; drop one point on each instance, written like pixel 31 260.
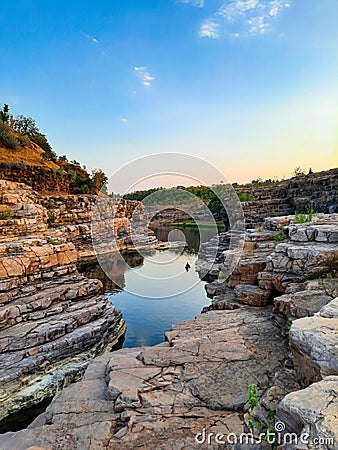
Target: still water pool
pixel 153 291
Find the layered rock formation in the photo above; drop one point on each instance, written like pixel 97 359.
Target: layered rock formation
pixel 309 249
pixel 73 215
pixel 300 278
pixel 52 319
pixel 163 396
pixel 318 191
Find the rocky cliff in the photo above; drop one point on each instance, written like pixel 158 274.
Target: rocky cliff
pixel 318 191
pixel 72 216
pixel 53 320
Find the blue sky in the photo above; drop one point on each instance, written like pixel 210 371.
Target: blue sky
pixel 249 85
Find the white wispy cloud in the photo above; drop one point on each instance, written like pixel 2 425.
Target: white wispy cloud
pixel 242 18
pixel 258 25
pixel 92 38
pixel 209 29
pixel 124 120
pixel 198 3
pixel 144 76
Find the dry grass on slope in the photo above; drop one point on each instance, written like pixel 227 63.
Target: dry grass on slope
pixel 30 154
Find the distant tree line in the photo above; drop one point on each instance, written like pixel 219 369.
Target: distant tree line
pixel 209 195
pixel 182 195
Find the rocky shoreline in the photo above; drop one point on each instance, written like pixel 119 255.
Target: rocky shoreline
pixel 273 324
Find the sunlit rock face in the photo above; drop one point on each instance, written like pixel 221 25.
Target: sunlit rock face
pixel 52 319
pixel 113 223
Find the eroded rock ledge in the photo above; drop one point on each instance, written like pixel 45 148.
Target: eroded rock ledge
pixel 53 320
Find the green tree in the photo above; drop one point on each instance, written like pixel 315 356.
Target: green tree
pixel 99 180
pixel 26 126
pixel 4 114
pixel 41 140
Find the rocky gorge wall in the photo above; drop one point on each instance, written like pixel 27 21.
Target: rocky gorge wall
pixel 41 179
pixel 53 320
pixel 318 191
pixel 71 216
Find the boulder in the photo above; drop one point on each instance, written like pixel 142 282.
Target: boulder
pixel 300 304
pixel 313 342
pixel 330 310
pixel 252 295
pixel 312 414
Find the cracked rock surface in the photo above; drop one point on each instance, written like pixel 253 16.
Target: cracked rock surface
pixel 160 397
pixel 313 411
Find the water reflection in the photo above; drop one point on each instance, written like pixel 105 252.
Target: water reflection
pixel 191 233
pixel 145 279
pixel 92 269
pixel 148 317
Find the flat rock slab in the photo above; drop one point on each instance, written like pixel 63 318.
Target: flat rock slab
pixel 160 397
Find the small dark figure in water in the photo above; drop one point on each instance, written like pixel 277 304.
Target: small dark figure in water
pixel 187 267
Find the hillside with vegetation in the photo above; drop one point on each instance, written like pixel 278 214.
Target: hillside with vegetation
pixel 260 198
pixel 27 156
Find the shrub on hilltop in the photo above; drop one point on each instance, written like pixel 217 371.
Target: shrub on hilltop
pixel 21 131
pixel 7 139
pixel 28 147
pixel 41 140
